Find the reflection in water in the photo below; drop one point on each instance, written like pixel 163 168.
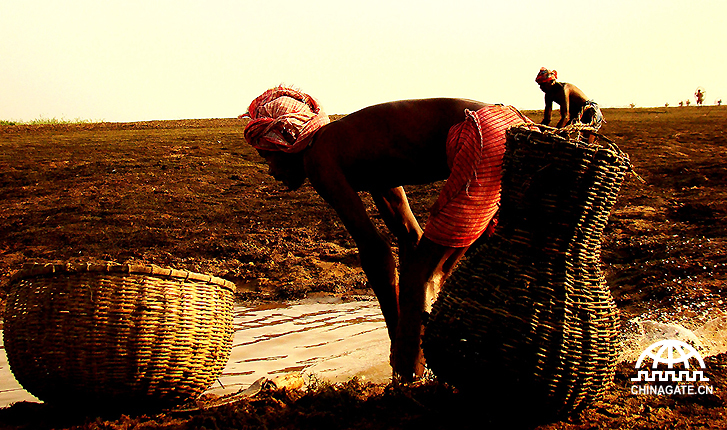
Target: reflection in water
pixel 332 340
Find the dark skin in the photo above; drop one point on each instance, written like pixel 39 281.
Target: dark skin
pixel 380 149
pixel 570 99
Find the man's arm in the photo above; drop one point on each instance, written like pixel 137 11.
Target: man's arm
pixel 375 253
pixel 547 111
pixel 396 213
pixel 564 109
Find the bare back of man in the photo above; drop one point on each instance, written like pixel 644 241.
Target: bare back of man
pixel 387 145
pixel 569 97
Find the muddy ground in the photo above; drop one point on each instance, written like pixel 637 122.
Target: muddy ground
pixel 192 195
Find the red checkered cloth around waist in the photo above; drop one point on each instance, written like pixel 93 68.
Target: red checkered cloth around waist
pixel 471 195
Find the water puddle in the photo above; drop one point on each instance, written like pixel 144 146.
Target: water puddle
pixel 335 341
pixel 331 340
pixel 708 339
pixel 10 390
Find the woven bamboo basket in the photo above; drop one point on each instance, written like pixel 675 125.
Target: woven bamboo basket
pixel 111 335
pixel 528 319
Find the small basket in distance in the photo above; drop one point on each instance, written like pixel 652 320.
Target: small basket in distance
pixel 117 336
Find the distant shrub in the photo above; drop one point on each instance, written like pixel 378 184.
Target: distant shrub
pixel 52 121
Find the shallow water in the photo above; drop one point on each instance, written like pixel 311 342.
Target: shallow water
pixel 329 340
pixel 10 390
pixel 709 338
pixel 335 341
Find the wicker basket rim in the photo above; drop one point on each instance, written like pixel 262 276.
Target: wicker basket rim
pixel 31 270
pixel 556 134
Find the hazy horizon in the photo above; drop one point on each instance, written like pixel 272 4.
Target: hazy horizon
pixel 136 61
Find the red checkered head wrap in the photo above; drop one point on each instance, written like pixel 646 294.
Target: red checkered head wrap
pixel 284 119
pixel 545 75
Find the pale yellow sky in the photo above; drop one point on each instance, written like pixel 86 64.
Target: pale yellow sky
pixel 141 60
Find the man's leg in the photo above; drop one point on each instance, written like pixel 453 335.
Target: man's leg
pixel 421 276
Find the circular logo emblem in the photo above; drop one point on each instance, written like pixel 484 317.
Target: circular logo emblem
pixel 670 352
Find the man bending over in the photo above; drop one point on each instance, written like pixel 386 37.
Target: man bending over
pixel 574 105
pixel 379 149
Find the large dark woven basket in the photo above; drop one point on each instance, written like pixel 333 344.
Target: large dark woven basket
pixel 117 335
pixel 528 319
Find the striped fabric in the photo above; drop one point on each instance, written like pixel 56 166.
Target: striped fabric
pixel 590 115
pixel 545 75
pixel 283 119
pixel 471 196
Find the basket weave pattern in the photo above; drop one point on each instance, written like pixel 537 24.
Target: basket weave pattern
pixel 136 335
pixel 528 317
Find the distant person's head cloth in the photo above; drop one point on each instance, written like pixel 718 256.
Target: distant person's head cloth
pixel 545 75
pixel 283 119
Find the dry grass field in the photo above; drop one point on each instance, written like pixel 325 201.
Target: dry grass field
pixel 192 195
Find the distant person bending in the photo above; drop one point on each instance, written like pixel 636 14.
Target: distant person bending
pixel 574 105
pixel 378 149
